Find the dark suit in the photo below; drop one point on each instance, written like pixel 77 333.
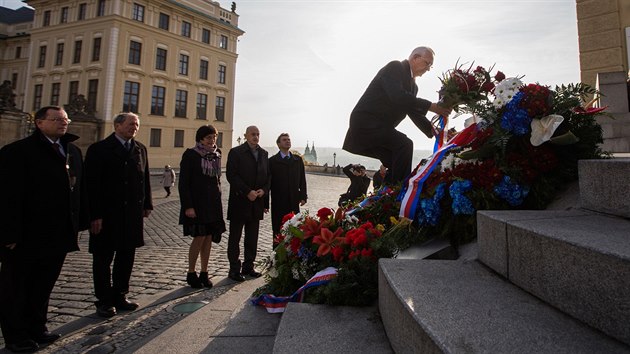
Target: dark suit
pixel 388 99
pixel 41 212
pixel 119 192
pixel 288 187
pixel 245 173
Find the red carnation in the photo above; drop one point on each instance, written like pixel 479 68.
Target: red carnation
pixel 324 213
pixel 499 76
pixel 286 218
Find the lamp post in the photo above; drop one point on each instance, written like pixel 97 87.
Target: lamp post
pixel 238 140
pixel 334 159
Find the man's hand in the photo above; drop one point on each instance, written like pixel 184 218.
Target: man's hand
pixel 146 213
pixel 96 226
pixel 266 211
pixel 260 193
pixel 10 246
pixel 302 202
pixel 435 108
pixel 252 195
pixel 190 212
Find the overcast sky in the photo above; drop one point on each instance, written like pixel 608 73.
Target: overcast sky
pixel 303 65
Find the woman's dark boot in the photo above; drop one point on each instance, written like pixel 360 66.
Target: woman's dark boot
pixel 193 280
pixel 203 278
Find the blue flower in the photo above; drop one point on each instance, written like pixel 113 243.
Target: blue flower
pixel 430 211
pixel 511 192
pixel 515 118
pixel 461 204
pixel 305 253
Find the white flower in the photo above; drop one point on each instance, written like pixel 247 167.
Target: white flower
pixel 543 128
pixel 505 90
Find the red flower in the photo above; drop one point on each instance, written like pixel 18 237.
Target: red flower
pixel 499 76
pixel 286 218
pixel 367 252
pixel 591 110
pixel 324 213
pixel 337 253
pixel 327 240
pixel 310 227
pixel 295 245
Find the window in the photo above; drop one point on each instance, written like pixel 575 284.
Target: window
pixel 160 59
pixel 82 11
pixel 100 9
pixel 157 100
pixel 179 138
pixel 156 137
pixel 164 21
pixel 219 111
pixel 135 48
pixel 42 57
pixel 46 21
pixel 202 106
pixel 76 58
pixel 14 78
pixel 186 29
pixel 224 42
pixel 138 12
pixel 130 97
pixel 54 94
pixel 64 15
pixel 59 55
pixel 18 52
pixel 220 140
pixel 183 64
pixel 181 101
pixel 92 95
pixel 203 69
pixel 205 36
pixel 221 78
pixel 37 97
pixel 73 90
pixel 96 49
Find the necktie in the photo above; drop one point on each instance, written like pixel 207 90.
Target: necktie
pixel 127 145
pixel 287 157
pixel 58 149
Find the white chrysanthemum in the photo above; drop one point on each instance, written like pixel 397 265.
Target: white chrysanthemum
pixel 505 90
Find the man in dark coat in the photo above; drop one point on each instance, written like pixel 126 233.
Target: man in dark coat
pixel 119 194
pixel 40 213
pixel 247 171
pixel 388 99
pixel 288 182
pixel 359 183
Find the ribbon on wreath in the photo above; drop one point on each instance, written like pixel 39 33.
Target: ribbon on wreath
pixel 412 186
pixel 277 304
pixel 441 135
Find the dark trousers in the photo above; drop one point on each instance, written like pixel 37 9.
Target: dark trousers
pixel 277 213
pixel 25 286
pixel 168 190
pixel 111 285
pixel 395 151
pixel 250 245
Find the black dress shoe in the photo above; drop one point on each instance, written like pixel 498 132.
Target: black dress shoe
pixel 23 346
pixel 46 337
pixel 203 278
pixel 126 305
pixel 236 277
pixel 104 310
pixel 252 273
pixel 193 280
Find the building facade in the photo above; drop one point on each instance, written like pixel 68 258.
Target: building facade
pixel 171 62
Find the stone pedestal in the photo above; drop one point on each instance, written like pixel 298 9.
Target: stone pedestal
pixel 14 125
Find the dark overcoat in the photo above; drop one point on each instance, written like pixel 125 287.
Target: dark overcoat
pixel 119 192
pixel 288 187
pixel 198 191
pixel 246 173
pixel 358 185
pixel 387 100
pixel 40 208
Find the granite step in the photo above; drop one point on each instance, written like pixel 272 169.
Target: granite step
pixel 577 261
pixel 438 306
pixel 309 328
pixel 604 185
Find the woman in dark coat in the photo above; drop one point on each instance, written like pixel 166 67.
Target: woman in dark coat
pixel 200 195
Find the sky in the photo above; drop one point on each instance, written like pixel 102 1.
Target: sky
pixel 303 64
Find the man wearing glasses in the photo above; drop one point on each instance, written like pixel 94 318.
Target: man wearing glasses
pixel 41 212
pixel 388 99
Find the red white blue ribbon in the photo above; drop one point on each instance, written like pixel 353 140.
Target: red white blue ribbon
pixel 413 184
pixel 277 304
pixel 440 138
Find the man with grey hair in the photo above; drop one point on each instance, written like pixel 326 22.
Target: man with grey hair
pixel 119 197
pixel 388 99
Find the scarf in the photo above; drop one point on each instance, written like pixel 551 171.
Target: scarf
pixel 210 160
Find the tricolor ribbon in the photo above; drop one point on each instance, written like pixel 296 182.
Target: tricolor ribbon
pixel 412 186
pixel 441 135
pixel 277 304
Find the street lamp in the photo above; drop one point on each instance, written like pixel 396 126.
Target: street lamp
pixel 238 140
pixel 334 159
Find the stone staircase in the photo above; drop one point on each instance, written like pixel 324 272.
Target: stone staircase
pixel 552 281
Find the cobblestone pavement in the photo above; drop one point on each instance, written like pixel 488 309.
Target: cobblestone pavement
pixel 158 281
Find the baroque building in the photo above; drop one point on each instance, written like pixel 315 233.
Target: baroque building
pixel 171 62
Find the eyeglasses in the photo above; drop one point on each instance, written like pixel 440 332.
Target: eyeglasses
pixel 59 119
pixel 428 63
